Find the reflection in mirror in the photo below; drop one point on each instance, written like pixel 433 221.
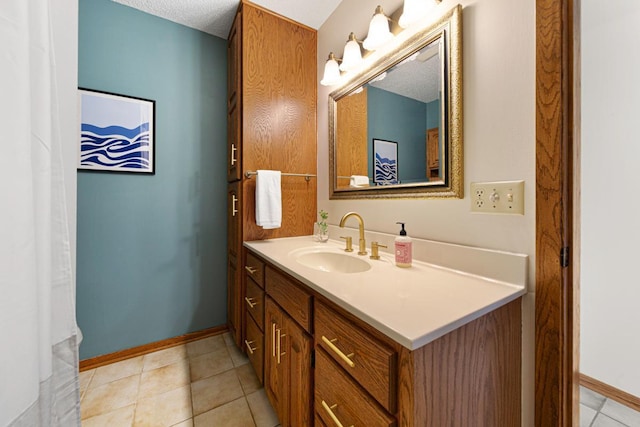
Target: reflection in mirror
pixel 411 100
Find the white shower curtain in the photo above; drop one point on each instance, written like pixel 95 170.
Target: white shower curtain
pixel 38 349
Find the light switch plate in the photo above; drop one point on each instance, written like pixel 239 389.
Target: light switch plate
pixel 498 197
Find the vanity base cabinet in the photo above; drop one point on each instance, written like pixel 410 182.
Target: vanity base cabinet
pixel 469 377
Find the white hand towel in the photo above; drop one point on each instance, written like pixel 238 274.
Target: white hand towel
pixel 268 199
pixel 359 181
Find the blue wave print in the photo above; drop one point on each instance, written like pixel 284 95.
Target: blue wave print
pixel 115 147
pixel 386 171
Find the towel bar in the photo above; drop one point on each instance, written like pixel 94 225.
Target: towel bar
pixel 307 176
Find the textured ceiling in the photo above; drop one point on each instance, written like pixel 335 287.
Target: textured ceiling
pixel 216 16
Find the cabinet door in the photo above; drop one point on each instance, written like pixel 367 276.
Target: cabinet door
pixel 287 367
pixel 234 58
pixel 234 220
pixel 274 370
pixel 298 364
pixel 234 300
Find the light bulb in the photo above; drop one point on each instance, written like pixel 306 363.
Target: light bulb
pixel 331 71
pixel 379 32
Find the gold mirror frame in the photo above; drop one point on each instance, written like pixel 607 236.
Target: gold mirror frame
pixel 449 27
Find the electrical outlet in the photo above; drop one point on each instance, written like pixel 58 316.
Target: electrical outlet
pixel 498 197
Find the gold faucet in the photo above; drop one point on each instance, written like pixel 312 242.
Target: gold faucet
pixel 362 243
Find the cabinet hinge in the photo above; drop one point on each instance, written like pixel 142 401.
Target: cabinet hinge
pixel 564 257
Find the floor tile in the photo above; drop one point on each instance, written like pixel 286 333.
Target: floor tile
pixel 237 357
pixel 116 371
pixel 263 413
pixel 164 410
pixel 114 395
pixel 591 399
pixel 85 378
pixel 586 415
pixel 206 345
pixel 164 379
pixel 215 391
pixel 186 423
pixel 248 379
pixel 164 357
pixel 122 417
pixel 210 364
pixel 621 413
pixel 604 421
pixel 233 414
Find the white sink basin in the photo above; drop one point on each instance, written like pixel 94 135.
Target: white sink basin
pixel 331 261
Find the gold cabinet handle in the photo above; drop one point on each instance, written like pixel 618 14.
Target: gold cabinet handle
pixel 233 154
pixel 248 344
pixel 337 351
pixel 250 270
pixel 329 410
pixel 250 302
pixel 234 209
pixel 273 340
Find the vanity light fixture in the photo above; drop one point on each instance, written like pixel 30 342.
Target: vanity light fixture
pixel 414 10
pixel 352 56
pixel 379 32
pixel 331 71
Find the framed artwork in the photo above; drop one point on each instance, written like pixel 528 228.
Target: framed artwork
pixel 385 168
pixel 117 133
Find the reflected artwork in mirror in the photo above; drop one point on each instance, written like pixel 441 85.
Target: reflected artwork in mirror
pixel 411 96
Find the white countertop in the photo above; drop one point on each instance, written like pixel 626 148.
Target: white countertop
pixel 412 306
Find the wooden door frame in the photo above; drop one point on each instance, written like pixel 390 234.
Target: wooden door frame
pixel 557 209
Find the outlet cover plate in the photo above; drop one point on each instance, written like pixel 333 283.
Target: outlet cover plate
pixel 504 197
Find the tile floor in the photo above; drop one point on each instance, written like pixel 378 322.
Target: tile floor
pixel 205 383
pixel 599 411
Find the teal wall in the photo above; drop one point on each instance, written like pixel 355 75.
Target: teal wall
pixel 152 249
pixel 403 120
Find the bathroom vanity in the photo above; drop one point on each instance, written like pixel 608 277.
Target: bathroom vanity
pixel 342 343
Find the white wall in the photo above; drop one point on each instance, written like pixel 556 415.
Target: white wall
pixel 610 291
pixel 65 38
pixel 499 139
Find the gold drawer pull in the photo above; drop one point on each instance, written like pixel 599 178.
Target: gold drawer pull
pixel 251 270
pixel 331 414
pixel 233 154
pixel 336 350
pixel 279 352
pixel 234 209
pixel 250 302
pixel 248 344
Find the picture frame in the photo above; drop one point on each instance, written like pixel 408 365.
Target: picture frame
pixel 117 133
pixel 385 167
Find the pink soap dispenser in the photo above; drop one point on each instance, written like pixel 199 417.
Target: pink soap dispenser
pixel 403 248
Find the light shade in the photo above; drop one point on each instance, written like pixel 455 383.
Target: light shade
pixel 415 10
pixel 379 32
pixel 352 56
pixel 331 71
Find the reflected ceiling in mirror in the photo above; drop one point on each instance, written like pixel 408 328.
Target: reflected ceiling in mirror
pixel 395 128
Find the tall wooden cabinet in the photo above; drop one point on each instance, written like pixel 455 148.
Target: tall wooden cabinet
pixel 271 124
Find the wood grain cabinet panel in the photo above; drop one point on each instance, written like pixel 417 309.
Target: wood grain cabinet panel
pixel 254 303
pixel 371 363
pixel 290 295
pixel 254 346
pixel 288 373
pixel 254 268
pixel 338 399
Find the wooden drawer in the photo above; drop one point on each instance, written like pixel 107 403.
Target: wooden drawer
pixel 254 346
pixel 370 362
pixel 254 267
pixel 290 296
pixel 353 406
pixel 254 302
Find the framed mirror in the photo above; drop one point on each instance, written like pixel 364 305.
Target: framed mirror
pixel 395 128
